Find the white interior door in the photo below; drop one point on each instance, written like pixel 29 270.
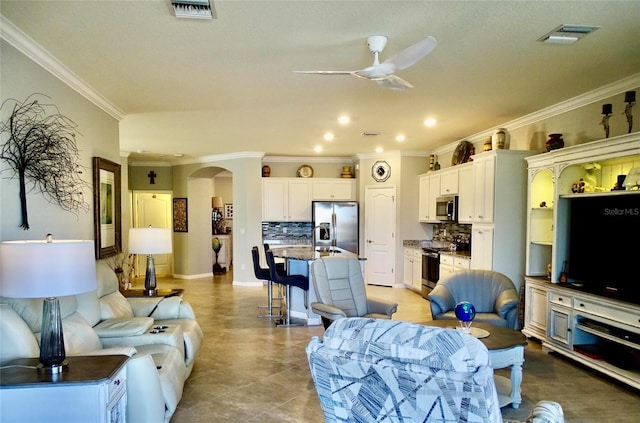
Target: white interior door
pixel 379 245
pixel 153 209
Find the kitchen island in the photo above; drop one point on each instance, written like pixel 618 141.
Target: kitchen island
pixel 298 259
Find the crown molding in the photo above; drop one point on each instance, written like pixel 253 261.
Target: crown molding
pixel 290 159
pixel 599 94
pixel 379 156
pixel 34 51
pixel 221 157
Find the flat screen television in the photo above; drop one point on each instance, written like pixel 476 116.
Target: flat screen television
pixel 604 245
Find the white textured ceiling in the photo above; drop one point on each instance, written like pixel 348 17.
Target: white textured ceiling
pixel 207 87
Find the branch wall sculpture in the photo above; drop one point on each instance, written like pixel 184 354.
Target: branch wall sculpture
pixel 41 150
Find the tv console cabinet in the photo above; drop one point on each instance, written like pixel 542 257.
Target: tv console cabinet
pixel 597 331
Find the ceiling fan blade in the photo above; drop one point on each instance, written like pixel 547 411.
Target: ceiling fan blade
pixel 394 82
pixel 413 53
pixel 328 72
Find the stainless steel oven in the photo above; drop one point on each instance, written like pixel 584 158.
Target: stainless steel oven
pixel 430 270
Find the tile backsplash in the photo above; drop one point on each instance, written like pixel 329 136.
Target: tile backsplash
pixel 448 232
pixel 292 233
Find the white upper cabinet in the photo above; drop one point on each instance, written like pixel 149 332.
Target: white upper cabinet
pixel 484 188
pixel 333 189
pixel 423 204
pixel 465 193
pixel 449 182
pixel 286 199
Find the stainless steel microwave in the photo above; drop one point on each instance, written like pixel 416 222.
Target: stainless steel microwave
pixel 447 208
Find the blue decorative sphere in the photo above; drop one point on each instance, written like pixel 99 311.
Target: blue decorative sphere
pixel 465 311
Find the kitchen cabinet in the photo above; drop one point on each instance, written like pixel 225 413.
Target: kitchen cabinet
pixel 434 193
pixel 450 263
pixel 484 187
pixel 429 186
pixel 412 270
pixel 333 189
pixel 449 181
pixel 286 199
pixel 446 265
pixel 482 247
pixel 466 196
pixel 423 199
pixel 500 208
pixel 535 313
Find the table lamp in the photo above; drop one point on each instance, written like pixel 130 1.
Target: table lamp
pixel 150 241
pixel 48 269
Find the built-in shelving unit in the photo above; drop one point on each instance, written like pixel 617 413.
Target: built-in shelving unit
pixel 597 331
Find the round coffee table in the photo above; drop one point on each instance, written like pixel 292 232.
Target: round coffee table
pixel 506 348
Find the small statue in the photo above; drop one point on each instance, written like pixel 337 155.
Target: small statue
pixel 578 187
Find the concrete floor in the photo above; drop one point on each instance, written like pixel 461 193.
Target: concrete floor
pixel 250 371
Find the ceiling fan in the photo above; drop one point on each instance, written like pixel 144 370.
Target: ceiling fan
pixel 384 73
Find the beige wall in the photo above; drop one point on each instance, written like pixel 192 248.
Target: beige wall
pixel 97 135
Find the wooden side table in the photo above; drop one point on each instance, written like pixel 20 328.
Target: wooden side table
pixel 92 390
pixel 506 349
pixel 160 292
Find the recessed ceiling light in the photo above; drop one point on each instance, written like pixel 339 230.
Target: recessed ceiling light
pixel 400 137
pixel 178 154
pixel 318 149
pixel 328 136
pixel 379 149
pixel 430 122
pixel 344 119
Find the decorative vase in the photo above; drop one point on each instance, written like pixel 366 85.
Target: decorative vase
pixel 554 142
pixel 266 171
pixel 346 172
pixel 500 139
pixel 487 145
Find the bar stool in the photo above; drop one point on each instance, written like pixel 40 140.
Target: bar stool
pixel 263 274
pixel 282 269
pixel 299 281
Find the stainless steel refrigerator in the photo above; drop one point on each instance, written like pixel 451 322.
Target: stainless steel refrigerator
pixel 335 223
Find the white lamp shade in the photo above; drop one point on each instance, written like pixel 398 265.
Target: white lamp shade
pixel 37 269
pixel 150 241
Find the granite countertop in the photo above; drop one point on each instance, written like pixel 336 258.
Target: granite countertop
pixel 307 253
pixel 409 243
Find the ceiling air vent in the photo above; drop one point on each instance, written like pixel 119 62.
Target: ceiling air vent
pixel 567 34
pixel 193 9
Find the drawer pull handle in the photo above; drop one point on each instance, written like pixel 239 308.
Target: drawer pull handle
pixel 559 298
pixel 581 305
pixel 116 382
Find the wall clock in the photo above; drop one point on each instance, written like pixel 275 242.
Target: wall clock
pixel 380 171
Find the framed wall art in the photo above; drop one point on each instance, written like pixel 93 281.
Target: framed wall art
pixel 107 216
pixel 228 211
pixel 180 215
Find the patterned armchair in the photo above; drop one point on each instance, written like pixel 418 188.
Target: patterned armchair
pixel 368 370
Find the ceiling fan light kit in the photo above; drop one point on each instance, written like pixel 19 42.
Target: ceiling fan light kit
pixel 384 73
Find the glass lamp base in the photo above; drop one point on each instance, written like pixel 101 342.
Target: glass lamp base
pixel 53 369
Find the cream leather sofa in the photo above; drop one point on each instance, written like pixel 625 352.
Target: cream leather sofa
pixel 97 323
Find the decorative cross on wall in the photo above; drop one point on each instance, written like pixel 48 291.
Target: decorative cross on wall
pixel 152 177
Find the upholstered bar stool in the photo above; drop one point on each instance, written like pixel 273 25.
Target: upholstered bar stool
pixel 264 274
pixel 299 281
pixel 278 295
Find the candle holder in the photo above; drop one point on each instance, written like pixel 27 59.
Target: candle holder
pixel 607 109
pixel 630 99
